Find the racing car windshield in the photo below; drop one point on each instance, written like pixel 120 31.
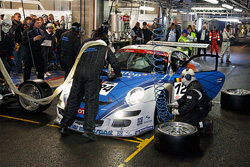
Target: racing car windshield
pixel 138 60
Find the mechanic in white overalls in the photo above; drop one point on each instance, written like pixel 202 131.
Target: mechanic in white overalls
pixel 226 43
pixel 194 105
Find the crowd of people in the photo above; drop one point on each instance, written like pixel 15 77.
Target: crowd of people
pixel 34 42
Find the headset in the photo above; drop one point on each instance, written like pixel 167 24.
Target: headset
pixel 188 77
pixel 76 27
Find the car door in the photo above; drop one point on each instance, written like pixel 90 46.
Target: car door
pixel 206 72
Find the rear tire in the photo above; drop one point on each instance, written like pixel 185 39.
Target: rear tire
pixel 38 89
pixel 235 99
pixel 177 138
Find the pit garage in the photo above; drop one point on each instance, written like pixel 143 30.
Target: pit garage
pixel 32 138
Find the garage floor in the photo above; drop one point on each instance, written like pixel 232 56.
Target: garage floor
pixel 34 140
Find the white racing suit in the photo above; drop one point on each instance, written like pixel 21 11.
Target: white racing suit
pixel 226 44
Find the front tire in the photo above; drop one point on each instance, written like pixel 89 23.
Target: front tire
pixel 176 138
pixel 37 89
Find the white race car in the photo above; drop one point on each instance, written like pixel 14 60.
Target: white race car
pixel 127 106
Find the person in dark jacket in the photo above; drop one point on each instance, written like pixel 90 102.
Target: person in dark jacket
pixel 194 104
pixel 146 32
pixel 87 83
pixel 203 37
pixel 69 45
pixel 172 34
pixel 17 28
pixel 6 44
pixel 137 34
pixel 33 37
pixel 48 48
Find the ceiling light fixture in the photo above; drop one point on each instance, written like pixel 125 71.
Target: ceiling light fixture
pixel 146 8
pixel 212 1
pixel 207 8
pixel 237 10
pixel 227 6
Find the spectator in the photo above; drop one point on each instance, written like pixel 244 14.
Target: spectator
pixel 191 38
pixel 183 39
pixel 146 32
pixel 69 45
pixel 177 26
pixel 26 23
pixel 203 37
pixel 172 34
pixel 17 28
pixel 31 16
pixel 43 27
pixel 62 23
pixel 1 18
pixel 156 28
pixel 48 48
pixel 33 37
pixel 137 34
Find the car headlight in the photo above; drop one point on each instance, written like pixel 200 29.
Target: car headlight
pixel 134 96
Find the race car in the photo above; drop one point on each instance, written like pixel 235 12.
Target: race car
pixel 127 106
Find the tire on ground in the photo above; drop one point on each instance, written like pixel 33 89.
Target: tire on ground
pixel 235 99
pixel 38 89
pixel 176 138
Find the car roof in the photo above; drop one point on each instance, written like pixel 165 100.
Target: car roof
pixel 151 47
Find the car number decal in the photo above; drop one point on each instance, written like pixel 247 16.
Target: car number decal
pixel 107 87
pixel 179 90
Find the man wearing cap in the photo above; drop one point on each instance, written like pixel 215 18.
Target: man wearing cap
pixel 214 39
pixel 183 39
pixel 69 45
pixel 203 37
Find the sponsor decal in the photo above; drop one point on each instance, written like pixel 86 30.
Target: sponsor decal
pixel 128 134
pixel 125 18
pixel 179 90
pixel 80 111
pixel 144 129
pixel 119 133
pixel 147 120
pixel 144 74
pixel 139 121
pixel 103 132
pixel 107 87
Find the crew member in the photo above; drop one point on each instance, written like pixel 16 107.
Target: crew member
pixel 183 39
pixel 33 37
pixel 69 45
pixel 226 43
pixel 6 44
pixel 137 34
pixel 214 39
pixel 87 83
pixel 194 105
pixel 146 32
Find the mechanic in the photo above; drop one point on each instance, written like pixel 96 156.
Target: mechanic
pixel 6 44
pixel 33 37
pixel 214 39
pixel 137 34
pixel 69 45
pixel 194 105
pixel 87 83
pixel 183 39
pixel 226 43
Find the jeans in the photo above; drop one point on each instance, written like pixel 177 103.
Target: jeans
pixel 18 56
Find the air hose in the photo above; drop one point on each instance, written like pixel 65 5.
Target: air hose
pixel 47 100
pixel 160 94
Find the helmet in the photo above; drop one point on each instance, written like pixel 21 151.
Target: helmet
pixel 6 25
pixel 187 76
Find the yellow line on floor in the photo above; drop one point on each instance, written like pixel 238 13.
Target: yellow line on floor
pixel 124 139
pixel 55 126
pixel 140 147
pixel 20 119
pixel 137 138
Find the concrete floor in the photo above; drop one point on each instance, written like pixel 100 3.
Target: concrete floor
pixel 39 143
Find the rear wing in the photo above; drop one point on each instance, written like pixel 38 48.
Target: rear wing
pixel 178 44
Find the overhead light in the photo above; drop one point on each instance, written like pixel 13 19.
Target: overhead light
pixel 227 6
pixel 20 8
pixel 228 20
pixel 206 8
pixel 191 13
pixel 237 10
pixel 212 1
pixel 147 8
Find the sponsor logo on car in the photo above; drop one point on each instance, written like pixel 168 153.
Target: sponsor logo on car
pixel 119 133
pixel 147 120
pixel 144 129
pixel 139 121
pixel 80 111
pixel 103 132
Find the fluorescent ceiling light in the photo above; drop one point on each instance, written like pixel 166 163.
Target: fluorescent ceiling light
pixel 20 8
pixel 147 8
pixel 237 10
pixel 227 6
pixel 191 13
pixel 212 1
pixel 228 20
pixel 206 8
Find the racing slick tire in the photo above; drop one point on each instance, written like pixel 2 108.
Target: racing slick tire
pixel 38 89
pixel 235 99
pixel 177 138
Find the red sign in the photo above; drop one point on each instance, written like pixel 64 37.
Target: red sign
pixel 125 18
pixel 80 111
